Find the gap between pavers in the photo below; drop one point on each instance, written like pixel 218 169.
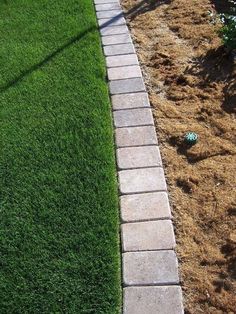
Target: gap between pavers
pixel 150 266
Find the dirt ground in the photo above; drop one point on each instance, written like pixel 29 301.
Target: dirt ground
pixel 191 82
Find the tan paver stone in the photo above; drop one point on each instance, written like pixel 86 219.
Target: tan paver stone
pixel 116 39
pixel 105 1
pixel 112 21
pixel 153 300
pixel 135 136
pixel 138 157
pixel 131 85
pixel 108 14
pixel 121 60
pixel 142 180
pixel 107 6
pixel 130 101
pixel 121 49
pixel 146 206
pixel 148 235
pixel 114 30
pixel 121 73
pixel 150 268
pixel 133 117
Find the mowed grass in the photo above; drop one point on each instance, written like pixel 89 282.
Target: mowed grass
pixel 59 243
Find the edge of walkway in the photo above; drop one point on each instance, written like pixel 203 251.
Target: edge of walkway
pixel 149 264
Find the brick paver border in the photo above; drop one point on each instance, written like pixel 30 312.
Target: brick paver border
pixel 149 263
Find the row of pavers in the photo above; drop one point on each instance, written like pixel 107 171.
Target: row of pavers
pixel 149 263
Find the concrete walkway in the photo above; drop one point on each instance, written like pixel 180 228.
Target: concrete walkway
pixel 149 263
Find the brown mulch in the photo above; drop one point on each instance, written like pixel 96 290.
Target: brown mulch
pixel 191 82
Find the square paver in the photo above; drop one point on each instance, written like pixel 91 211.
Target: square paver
pixel 114 30
pixel 105 1
pixel 121 60
pixel 121 73
pixel 113 21
pixel 138 157
pixel 108 14
pixel 142 180
pixel 121 49
pixel 153 300
pixel 107 6
pixel 135 136
pixel 133 117
pixel 146 206
pixel 130 101
pixel 148 235
pixel 150 268
pixel 116 39
pixel 126 86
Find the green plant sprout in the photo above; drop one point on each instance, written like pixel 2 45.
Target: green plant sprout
pixel 228 31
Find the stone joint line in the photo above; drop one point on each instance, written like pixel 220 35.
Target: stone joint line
pixel 149 263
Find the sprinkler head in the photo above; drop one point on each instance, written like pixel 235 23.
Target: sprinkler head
pixel 191 138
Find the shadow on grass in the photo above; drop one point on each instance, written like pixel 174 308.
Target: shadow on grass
pixel 142 7
pixel 52 55
pixel 48 58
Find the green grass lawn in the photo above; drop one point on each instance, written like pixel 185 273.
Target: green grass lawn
pixel 59 242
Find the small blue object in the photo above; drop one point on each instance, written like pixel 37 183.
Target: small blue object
pixel 191 138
